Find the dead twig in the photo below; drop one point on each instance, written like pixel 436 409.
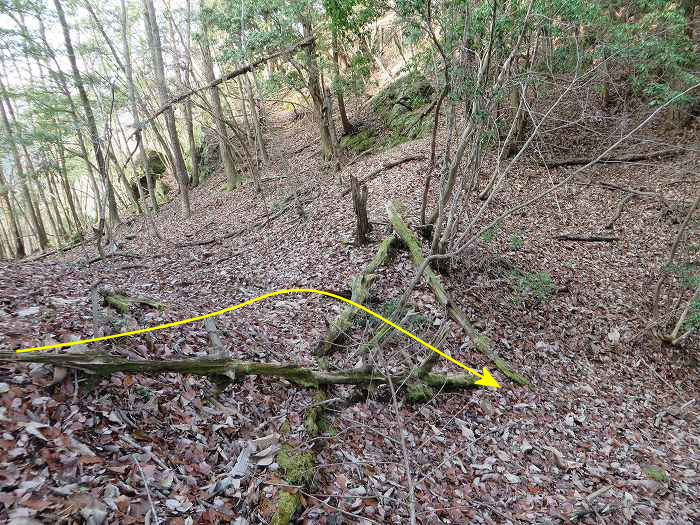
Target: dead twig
pixel 634 157
pixel 586 238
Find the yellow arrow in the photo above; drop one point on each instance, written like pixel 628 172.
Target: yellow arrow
pixel 486 378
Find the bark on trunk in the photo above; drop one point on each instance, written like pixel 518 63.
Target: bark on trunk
pixel 347 127
pixel 314 86
pixel 359 203
pixel 20 252
pixel 33 216
pixel 183 77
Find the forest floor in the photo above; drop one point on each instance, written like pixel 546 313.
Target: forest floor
pixel 608 433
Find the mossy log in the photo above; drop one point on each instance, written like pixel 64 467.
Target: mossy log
pixel 121 302
pixel 104 365
pixel 360 287
pixel 480 341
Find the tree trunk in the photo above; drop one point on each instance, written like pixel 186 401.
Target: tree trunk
pixel 42 199
pixel 102 365
pixel 188 105
pixel 314 86
pixel 347 127
pixel 359 203
pixel 183 80
pixel 5 243
pixel 14 227
pixel 54 203
pixel 67 189
pixel 232 178
pixel 37 225
pixel 135 112
pixel 360 287
pixel 157 55
pixel 89 116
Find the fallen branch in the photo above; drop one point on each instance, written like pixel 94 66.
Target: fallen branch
pixel 121 302
pixel 229 76
pixel 634 157
pixel 618 213
pixel 586 238
pixel 385 167
pixel 360 288
pixel 480 341
pixel 58 250
pixel 103 365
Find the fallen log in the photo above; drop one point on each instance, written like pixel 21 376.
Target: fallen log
pixel 121 302
pixel 103 365
pixel 360 287
pixel 586 238
pixel 385 167
pixel 634 157
pixel 480 341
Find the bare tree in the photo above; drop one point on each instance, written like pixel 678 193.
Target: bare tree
pixel 224 147
pixel 11 217
pixel 37 225
pixel 157 57
pixel 89 116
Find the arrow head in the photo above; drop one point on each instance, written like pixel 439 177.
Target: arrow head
pixel 487 380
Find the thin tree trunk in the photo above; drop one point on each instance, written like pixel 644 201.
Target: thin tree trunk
pixel 157 55
pixel 89 116
pixel 232 177
pixel 42 199
pixel 61 209
pixel 67 189
pixel 5 242
pixel 347 127
pixel 314 87
pixel 54 204
pixel 183 80
pixel 135 112
pixel 260 119
pixel 12 218
pixel 38 227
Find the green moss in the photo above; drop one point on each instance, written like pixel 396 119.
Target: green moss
pixel 361 141
pixel 419 392
pixel 655 473
pixel 400 107
pixel 286 428
pixel 315 421
pixel 297 468
pixel 118 302
pixel 162 190
pixel 287 505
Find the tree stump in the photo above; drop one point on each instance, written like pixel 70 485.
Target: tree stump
pixel 359 203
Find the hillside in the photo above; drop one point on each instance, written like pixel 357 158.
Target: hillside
pixel 483 218
pixel 605 405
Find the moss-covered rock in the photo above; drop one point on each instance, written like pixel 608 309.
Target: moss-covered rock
pixel 400 106
pixel 157 167
pixel 360 141
pixel 297 467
